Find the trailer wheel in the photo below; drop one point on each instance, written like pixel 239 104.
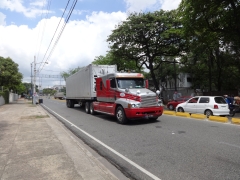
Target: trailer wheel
pixel 92 112
pixel 120 115
pixel 87 107
pixel 70 103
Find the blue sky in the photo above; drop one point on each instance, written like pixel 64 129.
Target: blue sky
pixel 27 27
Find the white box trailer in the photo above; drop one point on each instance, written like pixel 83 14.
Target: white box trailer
pixel 81 85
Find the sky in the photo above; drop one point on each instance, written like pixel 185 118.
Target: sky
pixel 36 31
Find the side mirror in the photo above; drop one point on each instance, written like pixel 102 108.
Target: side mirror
pixel 146 83
pixel 107 84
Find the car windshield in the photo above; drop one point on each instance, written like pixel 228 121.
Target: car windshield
pixel 220 100
pixel 132 83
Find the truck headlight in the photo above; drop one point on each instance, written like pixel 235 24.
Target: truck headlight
pixel 134 105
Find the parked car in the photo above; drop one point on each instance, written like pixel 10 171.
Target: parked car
pixel 171 105
pixel 208 105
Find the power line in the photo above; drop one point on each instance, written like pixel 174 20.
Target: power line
pixel 49 76
pixel 59 35
pixel 55 31
pixel 44 25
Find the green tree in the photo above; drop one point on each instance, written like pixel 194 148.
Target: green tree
pixel 218 16
pixel 10 78
pixel 147 38
pixel 122 64
pixel 21 88
pixel 65 74
pixel 213 42
pixel 50 91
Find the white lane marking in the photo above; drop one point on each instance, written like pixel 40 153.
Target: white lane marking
pixel 109 148
pixel 233 145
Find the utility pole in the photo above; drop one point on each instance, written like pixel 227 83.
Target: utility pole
pixel 34 81
pixel 31 85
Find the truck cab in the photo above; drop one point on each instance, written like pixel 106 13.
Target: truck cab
pixel 125 95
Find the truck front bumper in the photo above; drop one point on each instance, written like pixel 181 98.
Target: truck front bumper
pixel 147 112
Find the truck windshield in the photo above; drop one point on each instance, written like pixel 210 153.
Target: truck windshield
pixel 132 83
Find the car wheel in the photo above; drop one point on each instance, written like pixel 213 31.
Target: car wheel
pixel 92 112
pixel 208 113
pixel 120 115
pixel 87 107
pixel 180 109
pixel 171 107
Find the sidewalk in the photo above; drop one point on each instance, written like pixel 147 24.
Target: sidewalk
pixel 36 146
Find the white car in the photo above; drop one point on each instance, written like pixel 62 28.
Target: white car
pixel 208 105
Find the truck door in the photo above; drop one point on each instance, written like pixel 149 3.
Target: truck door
pixel 111 95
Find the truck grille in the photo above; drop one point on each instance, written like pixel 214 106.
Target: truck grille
pixel 147 101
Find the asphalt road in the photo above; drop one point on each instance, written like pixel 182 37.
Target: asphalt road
pixel 172 148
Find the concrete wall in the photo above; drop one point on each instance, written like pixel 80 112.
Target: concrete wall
pixel 2 101
pixel 13 97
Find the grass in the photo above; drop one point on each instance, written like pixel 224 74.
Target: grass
pixel 35 117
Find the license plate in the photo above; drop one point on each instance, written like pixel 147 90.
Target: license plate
pixel 148 115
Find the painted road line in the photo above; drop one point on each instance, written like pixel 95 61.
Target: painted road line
pixel 106 146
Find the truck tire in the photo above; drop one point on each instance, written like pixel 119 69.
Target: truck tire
pixel 120 115
pixel 92 112
pixel 87 107
pixel 69 103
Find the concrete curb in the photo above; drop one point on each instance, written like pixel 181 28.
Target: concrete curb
pixel 182 114
pixel 218 119
pixel 198 116
pixel 169 112
pixel 235 121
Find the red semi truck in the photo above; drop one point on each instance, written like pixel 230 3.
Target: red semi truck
pixel 101 89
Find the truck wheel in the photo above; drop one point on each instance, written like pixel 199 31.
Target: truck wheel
pixel 87 107
pixel 92 112
pixel 81 104
pixel 70 103
pixel 120 115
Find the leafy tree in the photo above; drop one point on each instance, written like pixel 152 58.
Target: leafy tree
pixel 28 86
pixel 65 75
pixel 21 89
pixel 212 44
pixel 49 91
pixel 122 64
pixel 10 78
pixel 219 16
pixel 147 38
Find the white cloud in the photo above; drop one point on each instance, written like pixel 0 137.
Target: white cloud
pixel 2 19
pixel 34 9
pixel 139 5
pixel 79 44
pixel 170 4
pixel 151 5
pixel 39 3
